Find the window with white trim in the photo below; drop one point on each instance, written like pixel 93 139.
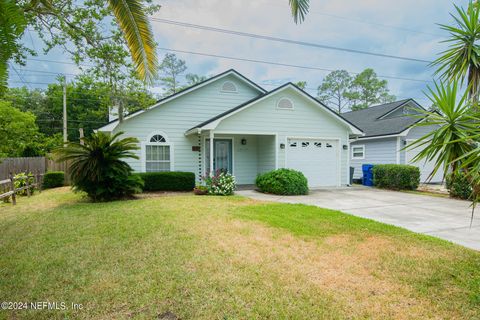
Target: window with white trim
pixel 358 152
pixel 157 154
pixel 229 86
pixel 285 103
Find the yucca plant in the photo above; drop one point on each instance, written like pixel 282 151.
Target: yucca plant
pixel 454 145
pixel 97 166
pixel 462 58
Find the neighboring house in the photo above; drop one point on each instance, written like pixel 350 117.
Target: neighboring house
pixel 229 122
pixel 388 129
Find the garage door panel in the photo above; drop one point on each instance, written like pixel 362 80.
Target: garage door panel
pixel 317 159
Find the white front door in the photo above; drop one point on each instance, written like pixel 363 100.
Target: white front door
pixel 317 159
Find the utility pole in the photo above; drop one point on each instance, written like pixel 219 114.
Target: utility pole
pixel 65 134
pixel 81 135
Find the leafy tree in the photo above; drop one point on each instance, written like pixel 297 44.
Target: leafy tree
pixel 366 90
pixel 194 79
pixel 462 59
pixel 301 84
pixel 98 167
pixel 88 101
pixel 171 68
pixel 83 24
pixel 79 26
pixel 334 90
pixel 17 130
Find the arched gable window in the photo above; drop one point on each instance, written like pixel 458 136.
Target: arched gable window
pixel 229 86
pixel 158 153
pixel 285 103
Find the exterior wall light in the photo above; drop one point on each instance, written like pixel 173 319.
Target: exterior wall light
pixel 244 141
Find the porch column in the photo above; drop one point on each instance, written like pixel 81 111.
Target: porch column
pixel 211 153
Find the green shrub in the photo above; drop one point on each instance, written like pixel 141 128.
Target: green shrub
pixel 53 179
pixel 97 167
pixel 283 182
pixel 20 181
pixel 221 184
pixel 396 176
pixel 458 186
pixel 167 181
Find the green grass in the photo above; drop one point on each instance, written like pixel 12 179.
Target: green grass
pixel 224 258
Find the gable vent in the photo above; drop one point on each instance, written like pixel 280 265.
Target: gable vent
pixel 285 103
pixel 229 86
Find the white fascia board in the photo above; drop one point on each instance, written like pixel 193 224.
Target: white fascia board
pixel 214 124
pixel 193 88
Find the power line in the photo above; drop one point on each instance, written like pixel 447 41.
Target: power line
pixel 20 76
pixel 282 64
pixel 289 41
pixel 361 21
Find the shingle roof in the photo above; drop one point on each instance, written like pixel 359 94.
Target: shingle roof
pixel 369 120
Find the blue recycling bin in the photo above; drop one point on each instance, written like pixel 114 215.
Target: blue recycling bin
pixel 367 170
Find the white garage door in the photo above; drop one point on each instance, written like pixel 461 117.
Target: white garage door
pixel 317 159
pixel 426 167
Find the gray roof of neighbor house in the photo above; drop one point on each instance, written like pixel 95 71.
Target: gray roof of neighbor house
pixel 373 124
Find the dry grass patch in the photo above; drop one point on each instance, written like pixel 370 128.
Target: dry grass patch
pixel 226 258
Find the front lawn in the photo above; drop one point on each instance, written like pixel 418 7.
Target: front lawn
pixel 224 258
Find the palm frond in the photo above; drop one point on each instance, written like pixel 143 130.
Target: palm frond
pixel 12 26
pixel 455 123
pixel 133 22
pixel 461 60
pixel 299 9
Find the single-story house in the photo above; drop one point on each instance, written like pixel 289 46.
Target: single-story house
pixel 388 129
pixel 229 122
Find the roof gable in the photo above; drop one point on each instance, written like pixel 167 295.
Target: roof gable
pixel 384 119
pixel 213 122
pixel 112 125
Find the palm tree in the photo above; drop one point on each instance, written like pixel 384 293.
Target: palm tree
pixel 130 16
pixel 299 9
pixel 462 59
pixel 97 167
pixel 12 26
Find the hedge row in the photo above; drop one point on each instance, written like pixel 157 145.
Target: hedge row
pixel 396 176
pixel 53 179
pixel 168 181
pixel 458 186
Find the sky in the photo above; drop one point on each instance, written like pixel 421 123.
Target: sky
pixel 405 28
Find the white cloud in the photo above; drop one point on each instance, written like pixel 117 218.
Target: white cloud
pixel 272 17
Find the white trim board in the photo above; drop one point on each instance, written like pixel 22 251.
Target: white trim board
pixel 111 126
pixel 213 124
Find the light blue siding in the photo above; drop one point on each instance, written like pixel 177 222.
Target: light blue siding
pixel 420 131
pixel 307 119
pixel 175 117
pixel 377 151
pixel 266 153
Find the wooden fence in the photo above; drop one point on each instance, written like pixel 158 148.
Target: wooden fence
pixel 31 165
pixel 8 189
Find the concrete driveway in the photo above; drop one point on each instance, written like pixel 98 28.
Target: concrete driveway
pixel 445 218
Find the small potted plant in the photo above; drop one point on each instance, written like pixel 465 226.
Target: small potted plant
pixel 200 190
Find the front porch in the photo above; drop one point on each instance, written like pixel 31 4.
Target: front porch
pixel 243 155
